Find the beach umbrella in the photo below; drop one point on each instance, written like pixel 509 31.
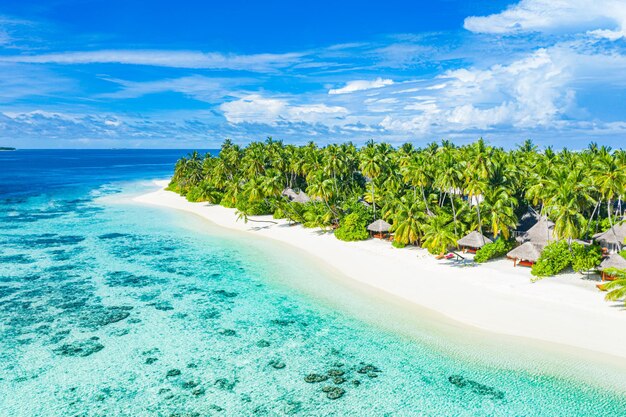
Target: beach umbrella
pixel 379 226
pixel 474 239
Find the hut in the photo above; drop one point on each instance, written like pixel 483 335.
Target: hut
pixel 526 254
pixel 612 261
pixel 379 228
pixel 541 233
pixel 613 239
pixel 526 221
pixel 301 197
pixel 473 241
pixel 289 193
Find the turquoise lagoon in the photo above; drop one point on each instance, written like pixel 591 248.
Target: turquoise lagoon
pixel 110 308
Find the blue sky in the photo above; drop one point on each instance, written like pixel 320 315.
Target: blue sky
pixel 163 74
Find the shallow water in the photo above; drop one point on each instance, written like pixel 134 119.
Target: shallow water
pixel 111 308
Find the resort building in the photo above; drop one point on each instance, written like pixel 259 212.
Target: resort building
pixel 542 233
pixel 613 261
pixel 379 228
pixel 613 239
pixel 473 241
pixel 526 254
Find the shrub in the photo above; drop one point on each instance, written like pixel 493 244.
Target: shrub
pixel 173 186
pixel 227 202
pixel 194 195
pixel 493 250
pixel 356 206
pixel 554 258
pixel 254 209
pixel 398 244
pixel 279 213
pixel 585 258
pixel 351 228
pixel 623 253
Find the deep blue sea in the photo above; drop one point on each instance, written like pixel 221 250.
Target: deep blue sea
pixel 111 308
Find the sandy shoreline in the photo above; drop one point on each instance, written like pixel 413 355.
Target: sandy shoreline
pixel 494 297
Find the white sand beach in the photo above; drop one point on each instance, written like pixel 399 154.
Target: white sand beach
pixel 495 296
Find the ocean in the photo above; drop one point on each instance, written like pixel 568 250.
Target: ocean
pixel 111 308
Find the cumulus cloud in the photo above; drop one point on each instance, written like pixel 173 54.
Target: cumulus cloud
pixel 601 18
pixel 527 93
pixel 164 58
pixel 359 85
pixel 255 108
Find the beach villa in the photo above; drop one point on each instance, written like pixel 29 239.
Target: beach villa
pixel 473 241
pixel 379 229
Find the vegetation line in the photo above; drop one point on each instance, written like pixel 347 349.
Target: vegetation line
pixel 430 196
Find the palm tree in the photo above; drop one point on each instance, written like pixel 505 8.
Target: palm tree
pixel 449 178
pixel 610 177
pixel 616 289
pixel 439 233
pixel 416 173
pixel 408 217
pixel 371 166
pixel 568 195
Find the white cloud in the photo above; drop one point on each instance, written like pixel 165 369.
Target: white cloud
pixel 8 28
pixel 255 108
pixel 527 93
pixel 164 58
pixel 18 81
pixel 601 18
pixel 359 85
pixel 195 86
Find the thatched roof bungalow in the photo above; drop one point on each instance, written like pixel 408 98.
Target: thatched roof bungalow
pixel 542 233
pixel 289 193
pixel 612 261
pixel 379 228
pixel 474 240
pixel 527 220
pixel 526 254
pixel 613 239
pixel 301 197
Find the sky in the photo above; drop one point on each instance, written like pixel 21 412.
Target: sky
pixel 189 74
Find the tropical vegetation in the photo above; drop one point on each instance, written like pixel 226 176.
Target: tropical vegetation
pixel 617 288
pixel 493 250
pixel 431 195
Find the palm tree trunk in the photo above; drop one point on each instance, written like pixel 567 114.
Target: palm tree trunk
pixel 373 201
pixel 591 218
pixel 480 224
pixel 425 201
pixel 248 219
pixel 608 209
pixel 454 215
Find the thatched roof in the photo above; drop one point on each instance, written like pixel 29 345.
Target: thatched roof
pixel 528 220
pixel 527 252
pixel 288 192
pixel 379 226
pixel 474 239
pixel 609 237
pixel 541 233
pixel 301 197
pixel 613 261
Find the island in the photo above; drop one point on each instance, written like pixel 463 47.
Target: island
pixel 6 148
